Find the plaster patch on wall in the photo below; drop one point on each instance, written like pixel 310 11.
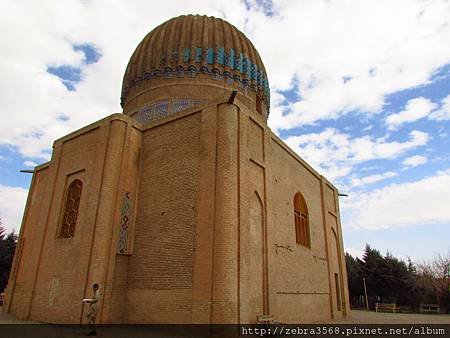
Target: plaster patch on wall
pixel 54 285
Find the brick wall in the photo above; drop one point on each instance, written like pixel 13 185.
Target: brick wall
pixel 161 266
pixel 55 273
pixel 211 228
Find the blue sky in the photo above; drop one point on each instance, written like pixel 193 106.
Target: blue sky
pixel 70 75
pixel 366 104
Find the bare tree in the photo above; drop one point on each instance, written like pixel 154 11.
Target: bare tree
pixel 435 275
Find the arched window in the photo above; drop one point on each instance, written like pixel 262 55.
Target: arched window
pixel 301 221
pixel 69 219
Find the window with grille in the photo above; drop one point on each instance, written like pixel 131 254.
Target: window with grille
pixel 72 203
pixel 301 221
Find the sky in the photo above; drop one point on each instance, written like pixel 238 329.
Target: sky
pixel 359 89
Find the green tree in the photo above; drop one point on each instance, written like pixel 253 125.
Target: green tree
pixel 400 281
pixel 388 279
pixel 7 248
pixel 371 267
pixel 355 281
pixel 392 280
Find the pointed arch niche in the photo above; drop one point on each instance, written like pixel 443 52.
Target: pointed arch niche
pixel 70 211
pixel 301 219
pixel 252 266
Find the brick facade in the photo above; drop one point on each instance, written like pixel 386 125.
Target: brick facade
pixel 211 235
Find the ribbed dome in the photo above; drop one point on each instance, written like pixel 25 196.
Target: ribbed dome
pixel 188 45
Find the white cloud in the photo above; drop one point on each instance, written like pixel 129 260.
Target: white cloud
pixel 399 205
pixel 442 132
pixel 345 59
pixel 416 109
pixel 371 179
pixel 335 154
pixel 356 252
pixel 29 164
pixel 443 113
pixel 414 161
pixel 12 204
pixel 320 43
pixel 43 34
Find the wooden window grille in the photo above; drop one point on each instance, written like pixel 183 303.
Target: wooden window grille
pixel 301 219
pixel 69 219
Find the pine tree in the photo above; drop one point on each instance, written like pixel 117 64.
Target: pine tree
pixel 7 248
pixel 392 280
pixel 355 281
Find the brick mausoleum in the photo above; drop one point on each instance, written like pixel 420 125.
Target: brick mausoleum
pixel 186 208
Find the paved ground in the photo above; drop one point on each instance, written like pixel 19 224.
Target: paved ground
pixel 75 331
pixel 355 317
pixel 370 317
pixel 7 319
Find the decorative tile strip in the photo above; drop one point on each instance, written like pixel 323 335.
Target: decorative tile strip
pixel 125 218
pixel 164 108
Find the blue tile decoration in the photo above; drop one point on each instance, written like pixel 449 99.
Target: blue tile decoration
pixel 198 54
pixel 212 62
pixel 179 105
pixel 221 56
pixel 163 108
pixel 231 60
pixel 186 55
pixel 244 63
pixel 253 71
pixel 210 56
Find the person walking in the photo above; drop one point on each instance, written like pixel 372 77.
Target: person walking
pixel 93 309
